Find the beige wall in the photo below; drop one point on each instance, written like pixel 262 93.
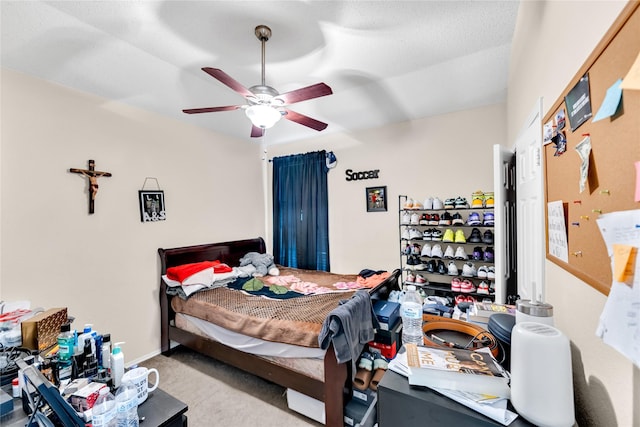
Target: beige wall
pixel 552 41
pixel 105 267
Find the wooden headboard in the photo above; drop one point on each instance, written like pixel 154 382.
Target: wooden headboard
pixel 226 252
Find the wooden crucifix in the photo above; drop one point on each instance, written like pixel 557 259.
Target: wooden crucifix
pixel 93 175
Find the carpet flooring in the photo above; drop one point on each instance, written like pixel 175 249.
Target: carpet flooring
pixel 221 395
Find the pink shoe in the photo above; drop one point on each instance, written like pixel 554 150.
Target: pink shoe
pixel 467 286
pixel 455 284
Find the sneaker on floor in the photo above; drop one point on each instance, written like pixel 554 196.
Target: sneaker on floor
pixel 489 255
pixel 406 218
pixel 489 200
pixel 461 203
pixel 436 234
pixel 467 286
pixel 415 219
pixel 435 219
pixel 469 270
pixel 477 200
pixel 459 237
pixel 491 273
pixel 452 269
pixel 426 234
pixel 461 254
pixel 448 236
pixel 488 218
pixel 455 284
pixel 437 203
pixel 414 233
pixel 428 203
pixel 483 288
pixel 477 254
pixel 449 203
pixel 448 253
pixel 445 219
pixel 482 273
pixel 474 219
pixel 475 236
pixel 487 237
pixel 441 268
pixel 436 251
pixel 456 219
pixel 426 250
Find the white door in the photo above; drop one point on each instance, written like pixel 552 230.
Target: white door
pixel 530 209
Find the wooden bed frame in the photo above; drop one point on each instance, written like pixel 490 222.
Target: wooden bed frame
pixel 336 387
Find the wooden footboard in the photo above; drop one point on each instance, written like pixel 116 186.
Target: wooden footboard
pixel 336 387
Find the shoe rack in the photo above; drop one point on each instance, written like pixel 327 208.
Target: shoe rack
pixel 431 266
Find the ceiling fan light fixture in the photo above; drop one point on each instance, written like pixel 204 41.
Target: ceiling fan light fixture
pixel 263 116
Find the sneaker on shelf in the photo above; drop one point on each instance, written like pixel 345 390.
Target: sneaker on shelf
pixel 489 200
pixel 448 236
pixel 436 251
pixel 459 237
pixel 408 204
pixel 455 284
pixel 461 254
pixel 489 255
pixel 426 250
pixel 452 269
pixel 431 266
pixel 417 204
pixel 410 263
pixel 477 200
pixel 477 254
pixel 470 299
pixel 487 237
pixel 441 268
pixel 456 219
pixel 419 265
pixel 475 236
pixel 407 250
pixel 448 253
pixel 469 270
pixel 449 203
pixel 415 219
pixel 416 249
pixel 474 219
pixel 461 203
pixel 435 219
pixel 483 288
pixel 436 234
pixel 406 218
pixel 437 203
pixel 411 278
pixel 405 233
pixel 491 273
pixel 414 233
pixel 426 234
pixel 459 299
pixel 467 286
pixel 492 288
pixel 428 203
pixel 424 219
pixel 482 272
pixel 488 219
pixel 420 280
pixel 445 219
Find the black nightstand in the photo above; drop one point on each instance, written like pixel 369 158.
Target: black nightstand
pixel 163 410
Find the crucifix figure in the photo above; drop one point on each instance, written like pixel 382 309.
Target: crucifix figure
pixel 93 175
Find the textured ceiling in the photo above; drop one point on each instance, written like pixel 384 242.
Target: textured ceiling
pixel 386 61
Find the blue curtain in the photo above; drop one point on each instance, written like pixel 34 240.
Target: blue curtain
pixel 301 211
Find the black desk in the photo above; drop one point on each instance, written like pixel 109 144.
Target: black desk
pixel 400 405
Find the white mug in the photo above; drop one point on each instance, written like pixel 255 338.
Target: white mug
pixel 140 379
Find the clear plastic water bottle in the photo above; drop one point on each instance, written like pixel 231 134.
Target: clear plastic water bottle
pixel 411 312
pixel 127 405
pixel 103 413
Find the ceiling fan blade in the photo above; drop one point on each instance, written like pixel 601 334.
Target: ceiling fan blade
pixel 304 120
pixel 226 79
pixel 256 132
pixel 314 91
pixel 211 109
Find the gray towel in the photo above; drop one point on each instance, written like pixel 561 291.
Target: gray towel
pixel 349 327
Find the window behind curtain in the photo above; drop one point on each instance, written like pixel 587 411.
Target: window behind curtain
pixel 300 211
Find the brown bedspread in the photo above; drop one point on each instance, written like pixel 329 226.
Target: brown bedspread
pixel 293 321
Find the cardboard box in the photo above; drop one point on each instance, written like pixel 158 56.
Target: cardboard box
pixel 393 335
pixel 41 331
pixel 358 415
pixel 387 313
pixel 364 397
pixel 388 351
pixel 84 398
pixel 305 405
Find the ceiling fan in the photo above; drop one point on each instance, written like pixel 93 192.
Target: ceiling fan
pixel 265 105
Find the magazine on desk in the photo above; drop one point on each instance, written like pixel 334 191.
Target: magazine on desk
pixel 491 406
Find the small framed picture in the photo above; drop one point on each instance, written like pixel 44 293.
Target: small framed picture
pixel 376 199
pixel 152 206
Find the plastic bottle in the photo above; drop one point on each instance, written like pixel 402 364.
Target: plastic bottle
pixel 105 351
pixel 127 405
pixel 411 312
pixel 103 413
pixel 117 364
pixel 86 335
pixel 66 342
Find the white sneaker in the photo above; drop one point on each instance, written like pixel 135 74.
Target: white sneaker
pixel 428 203
pixel 405 234
pixel 408 204
pixel 426 250
pixel 483 288
pixel 415 219
pixel 414 233
pixel 452 270
pixel 482 273
pixel 469 270
pixel 448 253
pixel 461 254
pixel 491 273
pixel 406 218
pixel 437 203
pixel 436 251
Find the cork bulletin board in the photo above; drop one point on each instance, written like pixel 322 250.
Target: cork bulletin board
pixel 615 147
